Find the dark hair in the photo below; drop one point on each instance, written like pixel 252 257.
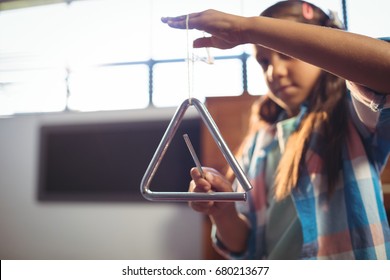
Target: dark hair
pixel 327 109
pixel 304 12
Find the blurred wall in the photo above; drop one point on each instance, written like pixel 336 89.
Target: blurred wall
pixel 75 230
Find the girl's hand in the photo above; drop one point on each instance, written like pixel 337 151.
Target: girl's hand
pixel 224 28
pixel 213 181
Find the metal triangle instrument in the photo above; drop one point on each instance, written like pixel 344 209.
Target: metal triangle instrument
pixel 163 146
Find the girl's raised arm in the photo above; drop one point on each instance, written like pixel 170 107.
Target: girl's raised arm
pixel 354 57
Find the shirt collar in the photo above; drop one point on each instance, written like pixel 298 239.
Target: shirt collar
pixel 285 127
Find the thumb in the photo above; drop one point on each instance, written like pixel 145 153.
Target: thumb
pixel 203 42
pixel 213 42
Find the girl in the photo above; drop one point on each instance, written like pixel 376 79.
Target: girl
pixel 315 153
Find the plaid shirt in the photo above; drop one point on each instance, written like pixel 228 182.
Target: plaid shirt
pixel 353 223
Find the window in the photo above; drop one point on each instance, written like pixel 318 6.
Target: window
pixel 32 70
pixel 116 54
pixel 109 88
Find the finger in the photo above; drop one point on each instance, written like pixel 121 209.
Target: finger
pixel 172 19
pixel 198 183
pixel 200 186
pixel 203 207
pixel 175 22
pixel 180 22
pixel 195 173
pixel 193 187
pixel 199 206
pixel 218 182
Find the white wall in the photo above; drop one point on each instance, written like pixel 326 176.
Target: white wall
pixel 30 229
